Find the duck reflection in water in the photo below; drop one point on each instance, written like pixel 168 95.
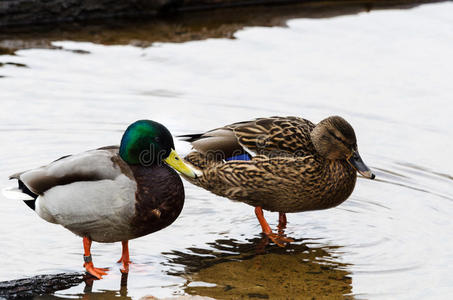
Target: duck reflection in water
pixel 105 294
pixel 235 269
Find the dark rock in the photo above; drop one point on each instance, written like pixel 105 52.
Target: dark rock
pixel 180 27
pixel 20 12
pixel 39 285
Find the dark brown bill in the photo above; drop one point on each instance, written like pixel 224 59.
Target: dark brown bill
pixel 356 161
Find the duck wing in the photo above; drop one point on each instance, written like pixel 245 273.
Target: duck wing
pixel 263 136
pixel 91 194
pixel 94 165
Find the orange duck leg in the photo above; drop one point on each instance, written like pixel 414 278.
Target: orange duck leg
pixel 278 239
pixel 96 272
pixel 125 257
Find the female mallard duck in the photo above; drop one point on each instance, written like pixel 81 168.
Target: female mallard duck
pixel 281 164
pixel 110 194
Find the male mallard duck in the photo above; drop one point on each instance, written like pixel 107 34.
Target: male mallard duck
pixel 281 164
pixel 110 194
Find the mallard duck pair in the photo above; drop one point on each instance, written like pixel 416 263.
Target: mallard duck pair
pixel 120 193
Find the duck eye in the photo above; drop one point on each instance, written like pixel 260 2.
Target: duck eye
pixel 157 139
pixel 335 136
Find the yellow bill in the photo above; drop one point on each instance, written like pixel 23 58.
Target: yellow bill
pixel 176 163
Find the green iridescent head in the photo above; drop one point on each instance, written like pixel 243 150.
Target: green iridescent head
pixel 148 143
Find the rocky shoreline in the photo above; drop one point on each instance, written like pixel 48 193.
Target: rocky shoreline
pixel 27 12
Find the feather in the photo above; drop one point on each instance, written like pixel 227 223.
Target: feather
pixel 14 193
pixel 285 173
pixel 92 165
pixel 91 207
pixel 280 135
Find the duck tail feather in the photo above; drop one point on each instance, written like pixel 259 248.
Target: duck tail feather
pixel 15 193
pixel 21 192
pixel 190 137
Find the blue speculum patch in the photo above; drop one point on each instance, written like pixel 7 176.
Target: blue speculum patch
pixel 244 156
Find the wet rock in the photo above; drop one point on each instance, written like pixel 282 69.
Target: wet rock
pixel 19 12
pixel 38 285
pixel 37 11
pixel 185 297
pixel 182 27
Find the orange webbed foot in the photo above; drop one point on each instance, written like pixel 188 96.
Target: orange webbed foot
pixel 279 240
pixel 96 272
pixel 126 263
pixel 121 260
pixel 287 239
pixel 125 269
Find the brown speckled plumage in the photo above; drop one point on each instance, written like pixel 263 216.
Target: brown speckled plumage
pixel 287 173
pixel 282 184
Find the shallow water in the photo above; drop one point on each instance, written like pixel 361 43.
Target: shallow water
pixel 387 72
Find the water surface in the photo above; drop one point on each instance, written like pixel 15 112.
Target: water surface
pixel 387 72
